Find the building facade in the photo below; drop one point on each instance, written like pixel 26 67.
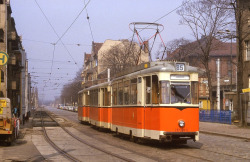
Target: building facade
pixel 226 53
pixel 5 11
pixel 245 97
pixel 15 80
pixel 95 68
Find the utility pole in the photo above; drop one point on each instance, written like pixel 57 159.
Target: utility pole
pixel 218 84
pixel 231 64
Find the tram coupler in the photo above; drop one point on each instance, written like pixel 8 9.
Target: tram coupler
pixel 166 138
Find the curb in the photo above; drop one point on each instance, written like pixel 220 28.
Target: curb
pixel 225 135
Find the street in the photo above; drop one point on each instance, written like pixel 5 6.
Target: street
pixel 209 148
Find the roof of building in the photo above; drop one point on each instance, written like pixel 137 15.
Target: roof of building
pixel 192 49
pixel 96 47
pixel 224 49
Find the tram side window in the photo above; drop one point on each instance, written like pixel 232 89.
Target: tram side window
pixel 126 92
pixel 120 93
pixel 86 98
pixel 194 91
pixel 80 103
pixel 148 90
pixel 155 90
pixel 133 91
pixel 94 97
pixel 164 95
pixel 114 88
pixel 106 97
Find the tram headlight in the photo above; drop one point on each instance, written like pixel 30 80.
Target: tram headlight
pixel 181 123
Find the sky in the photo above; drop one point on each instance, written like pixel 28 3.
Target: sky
pixel 54 62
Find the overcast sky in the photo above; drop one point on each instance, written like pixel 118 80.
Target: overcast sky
pixel 40 24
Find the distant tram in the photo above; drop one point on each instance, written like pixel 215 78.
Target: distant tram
pixel 157 100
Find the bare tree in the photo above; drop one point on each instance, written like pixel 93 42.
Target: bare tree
pixel 205 18
pixel 70 91
pixel 121 56
pixel 177 49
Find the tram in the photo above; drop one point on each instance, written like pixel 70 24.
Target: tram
pixel 156 100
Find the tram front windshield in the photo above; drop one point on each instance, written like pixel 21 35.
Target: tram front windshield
pixel 180 93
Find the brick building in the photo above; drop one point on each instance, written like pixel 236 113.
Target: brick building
pixel 224 51
pixel 244 6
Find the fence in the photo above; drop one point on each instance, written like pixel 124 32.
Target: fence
pixel 215 116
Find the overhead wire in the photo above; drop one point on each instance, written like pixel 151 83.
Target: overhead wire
pixel 52 59
pixel 166 14
pixel 73 44
pixel 90 26
pixel 89 22
pixel 57 33
pixel 73 21
pixel 63 33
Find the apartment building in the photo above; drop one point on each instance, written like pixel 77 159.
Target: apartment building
pixel 95 68
pixel 15 79
pixel 244 6
pixel 226 52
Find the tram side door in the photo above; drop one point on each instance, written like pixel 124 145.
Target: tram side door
pixel 147 103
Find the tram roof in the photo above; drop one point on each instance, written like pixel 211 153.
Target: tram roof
pixel 94 86
pixel 157 66
pixel 145 68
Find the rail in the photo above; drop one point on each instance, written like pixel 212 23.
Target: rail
pixel 82 141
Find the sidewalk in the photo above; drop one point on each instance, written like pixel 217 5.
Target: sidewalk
pixel 225 130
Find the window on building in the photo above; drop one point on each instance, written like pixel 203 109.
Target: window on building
pixel 249 82
pixel 247 50
pixel 249 87
pixel 2 76
pixel 1 35
pixel 133 91
pixel 96 62
pixel 229 72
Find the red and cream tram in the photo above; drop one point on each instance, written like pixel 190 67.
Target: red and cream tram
pixel 157 100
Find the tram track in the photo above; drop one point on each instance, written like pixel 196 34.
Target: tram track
pixel 58 149
pixel 183 153
pixel 70 157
